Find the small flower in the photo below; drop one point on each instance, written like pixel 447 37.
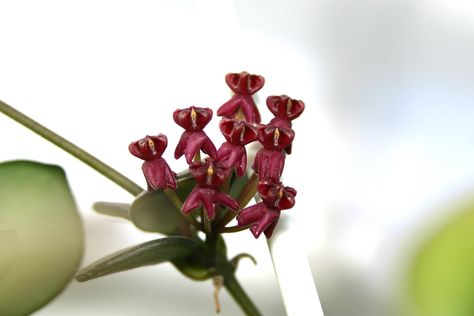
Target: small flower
pixel 193 139
pixel 232 154
pixel 238 132
pixel 208 174
pixel 269 164
pixel 264 216
pixel 285 108
pixel 274 137
pixel 270 160
pixel 243 85
pixel 209 177
pixel 157 172
pixel 208 197
pixel 275 195
pixel 261 217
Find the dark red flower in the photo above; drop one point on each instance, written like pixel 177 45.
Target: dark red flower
pixel 238 132
pixel 283 107
pixel 261 217
pixel 276 195
pixel 264 216
pixel 209 177
pixel 157 172
pixel 268 164
pixel 208 174
pixel 193 139
pixel 274 137
pixel 207 197
pixel 243 85
pixel 232 154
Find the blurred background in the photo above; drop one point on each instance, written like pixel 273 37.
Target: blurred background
pixel 383 157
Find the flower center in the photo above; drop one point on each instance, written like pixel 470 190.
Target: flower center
pixel 151 144
pixel 193 118
pixel 276 136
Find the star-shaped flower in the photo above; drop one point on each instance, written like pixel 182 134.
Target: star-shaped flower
pixel 232 154
pixel 264 216
pixel 193 139
pixel 157 172
pixel 209 177
pixel 243 85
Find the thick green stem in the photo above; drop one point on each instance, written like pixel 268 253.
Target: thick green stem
pixel 237 292
pixel 72 149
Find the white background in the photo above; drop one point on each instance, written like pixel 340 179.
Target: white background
pixel 387 135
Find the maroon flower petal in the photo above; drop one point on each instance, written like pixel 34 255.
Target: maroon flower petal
pixel 273 137
pixel 192 118
pixel 244 83
pixel 206 196
pixel 208 174
pixel 261 216
pixel 226 200
pixel 191 142
pixel 229 109
pixel 251 214
pixel 232 156
pixel 269 230
pixel 284 107
pixel 149 147
pixel 158 174
pixel 268 164
pixel 270 217
pixel 244 103
pixel 192 202
pixel 238 132
pixel 276 196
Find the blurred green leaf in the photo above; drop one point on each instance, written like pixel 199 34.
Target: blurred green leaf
pixel 114 209
pixel 442 275
pixel 8 248
pixel 237 185
pixel 154 212
pixel 36 202
pixel 148 253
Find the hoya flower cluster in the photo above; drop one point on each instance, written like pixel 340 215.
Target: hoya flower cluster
pixel 240 125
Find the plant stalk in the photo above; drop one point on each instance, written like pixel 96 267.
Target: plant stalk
pixel 72 149
pixel 238 293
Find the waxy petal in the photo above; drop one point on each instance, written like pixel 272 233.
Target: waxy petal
pixel 193 118
pixel 208 174
pixel 238 132
pixel 260 216
pixel 273 137
pixel 276 196
pixel 232 156
pixel 207 197
pixel 159 175
pixel 243 102
pixel 149 147
pixel 244 83
pixel 284 107
pixel 191 142
pixel 268 164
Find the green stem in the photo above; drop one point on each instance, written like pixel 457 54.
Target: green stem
pixel 233 229
pixel 238 293
pixel 72 149
pixel 248 192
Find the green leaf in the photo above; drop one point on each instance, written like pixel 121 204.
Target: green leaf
pixel 8 246
pixel 442 275
pixel 114 209
pixel 154 212
pixel 151 252
pixel 35 202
